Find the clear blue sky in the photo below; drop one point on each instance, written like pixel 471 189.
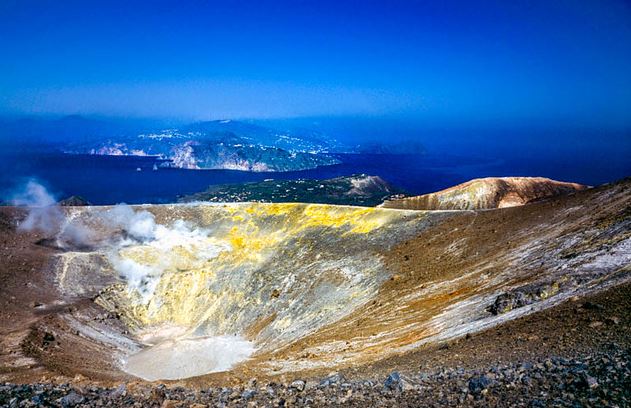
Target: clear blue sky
pixel 565 61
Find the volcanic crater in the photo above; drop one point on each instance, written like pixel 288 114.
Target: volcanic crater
pixel 221 293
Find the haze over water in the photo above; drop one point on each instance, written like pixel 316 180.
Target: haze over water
pixel 488 89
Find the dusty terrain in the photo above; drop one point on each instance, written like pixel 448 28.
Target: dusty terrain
pixel 487 193
pixel 517 306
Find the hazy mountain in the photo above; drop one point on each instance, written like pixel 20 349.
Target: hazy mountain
pixel 224 144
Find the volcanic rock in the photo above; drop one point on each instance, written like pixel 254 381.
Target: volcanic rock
pixel 478 384
pixel 72 399
pixel 298 385
pixel 395 382
pixel 523 296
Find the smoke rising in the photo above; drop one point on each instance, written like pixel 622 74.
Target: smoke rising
pixel 118 232
pixel 140 250
pixel 141 234
pixel 43 213
pixel 140 226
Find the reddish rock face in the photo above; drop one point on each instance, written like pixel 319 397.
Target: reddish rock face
pixel 487 193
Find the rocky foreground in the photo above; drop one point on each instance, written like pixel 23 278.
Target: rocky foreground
pixel 579 356
pixel 596 380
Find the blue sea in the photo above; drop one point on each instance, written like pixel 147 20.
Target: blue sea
pixel 133 180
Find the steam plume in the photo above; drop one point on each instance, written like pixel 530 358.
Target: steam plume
pixel 71 232
pixel 43 213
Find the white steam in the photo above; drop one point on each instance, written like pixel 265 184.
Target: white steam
pixel 146 250
pixel 141 250
pixel 75 234
pixel 140 226
pixel 43 213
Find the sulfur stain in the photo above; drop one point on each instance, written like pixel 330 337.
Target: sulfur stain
pixel 230 293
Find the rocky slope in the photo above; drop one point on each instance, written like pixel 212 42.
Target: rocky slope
pixel 486 193
pixel 515 306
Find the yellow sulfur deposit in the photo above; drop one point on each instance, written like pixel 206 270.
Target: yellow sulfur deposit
pixel 253 260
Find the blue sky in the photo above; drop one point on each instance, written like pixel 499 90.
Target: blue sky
pixel 442 62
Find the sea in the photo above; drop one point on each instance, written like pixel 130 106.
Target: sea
pixel 104 180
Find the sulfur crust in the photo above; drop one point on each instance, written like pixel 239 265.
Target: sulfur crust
pixel 184 294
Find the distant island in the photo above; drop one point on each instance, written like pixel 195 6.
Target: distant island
pixel 360 190
pixel 209 145
pixel 220 144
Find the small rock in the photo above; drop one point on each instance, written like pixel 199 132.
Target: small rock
pixel 507 302
pixel 613 320
pixel 79 377
pixel 394 382
pixel 248 394
pixel 479 383
pixel 333 378
pixel 170 403
pixel 72 399
pixel 595 324
pixel 47 339
pixel 592 306
pixel 298 385
pixel 157 394
pixel 120 391
pixel 590 381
